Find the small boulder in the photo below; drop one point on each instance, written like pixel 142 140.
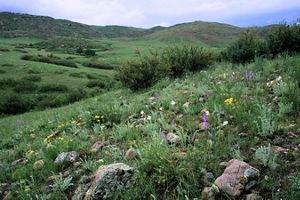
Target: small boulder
pixel 67 157
pixel 207 179
pixel 236 177
pixel 38 164
pixel 253 197
pixel 21 161
pixel 97 146
pixel 108 179
pixel 209 193
pixel 173 138
pixel 130 154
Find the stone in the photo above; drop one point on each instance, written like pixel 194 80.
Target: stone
pixel 130 154
pixel 235 177
pixel 207 179
pixel 223 164
pixel 186 104
pixel 253 197
pixel 209 193
pixel 21 161
pixel 38 164
pixel 280 150
pixel 173 138
pixel 97 146
pixel 80 192
pixel 67 157
pixel 108 179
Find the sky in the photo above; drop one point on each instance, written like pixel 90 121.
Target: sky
pixel 149 13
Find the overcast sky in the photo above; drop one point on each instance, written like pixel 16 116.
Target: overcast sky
pixel 149 13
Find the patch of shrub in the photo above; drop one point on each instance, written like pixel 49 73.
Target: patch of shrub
pixel 23 86
pixel 96 83
pixel 284 38
pixel 50 59
pixel 53 88
pixel 77 95
pixel 14 104
pixel 187 58
pixel 7 82
pixel 244 49
pixel 89 52
pixel 143 72
pixel 20 50
pixel 4 49
pixel 2 71
pixel 99 65
pixel 52 100
pixel 33 71
pixel 33 78
pixel 76 75
pixel 7 65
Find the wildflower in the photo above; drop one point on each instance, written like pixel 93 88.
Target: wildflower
pixel 142 112
pixel 20 122
pixel 27 189
pixel 30 153
pixel 173 103
pixel 149 117
pixel 249 75
pixel 61 126
pixel 205 123
pixel 97 117
pixel 230 100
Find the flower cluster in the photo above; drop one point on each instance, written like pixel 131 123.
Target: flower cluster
pixel 205 123
pixel 229 101
pixel 30 153
pixel 99 118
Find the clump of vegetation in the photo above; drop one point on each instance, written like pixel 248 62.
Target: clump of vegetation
pixel 53 88
pixel 173 62
pixel 33 78
pixel 4 49
pixel 25 86
pixel 14 104
pixel 50 59
pixel 99 65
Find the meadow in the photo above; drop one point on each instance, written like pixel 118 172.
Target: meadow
pixel 202 106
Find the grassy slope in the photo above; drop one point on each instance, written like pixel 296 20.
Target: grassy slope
pixel 170 176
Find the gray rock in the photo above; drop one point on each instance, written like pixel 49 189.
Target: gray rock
pixel 253 197
pixel 207 179
pixel 108 179
pixel 67 157
pixel 251 173
pixel 250 184
pixel 173 138
pixel 209 193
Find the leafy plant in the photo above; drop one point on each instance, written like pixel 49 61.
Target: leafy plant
pixel 61 184
pixel 265 122
pixel 267 156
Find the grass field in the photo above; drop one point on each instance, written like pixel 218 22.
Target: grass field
pixel 260 116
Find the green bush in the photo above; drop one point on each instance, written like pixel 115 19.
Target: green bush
pixel 96 83
pixel 50 59
pixel 143 72
pixel 244 49
pixel 7 82
pixel 89 52
pixel 76 95
pixel 14 104
pixel 187 58
pixel 53 88
pixel 23 86
pixel 33 78
pixel 99 65
pixel 284 38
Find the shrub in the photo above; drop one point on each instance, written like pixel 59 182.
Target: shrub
pixel 14 104
pixel 2 71
pixel 76 95
pixel 99 65
pixel 22 86
pixel 96 83
pixel 184 59
pixel 53 88
pixel 244 49
pixel 284 38
pixel 50 59
pixel 76 75
pixel 89 52
pixel 33 78
pixel 142 73
pixel 7 82
pixel 7 65
pixel 4 49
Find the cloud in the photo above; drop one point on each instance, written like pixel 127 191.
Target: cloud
pixel 147 13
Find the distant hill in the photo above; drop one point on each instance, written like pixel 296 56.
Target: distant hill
pixel 209 33
pixel 18 25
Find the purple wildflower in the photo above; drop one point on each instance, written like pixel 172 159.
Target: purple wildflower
pixel 205 123
pixel 249 75
pixel 20 122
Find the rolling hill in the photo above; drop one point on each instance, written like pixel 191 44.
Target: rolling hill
pixel 208 33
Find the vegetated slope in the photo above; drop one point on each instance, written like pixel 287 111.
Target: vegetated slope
pixel 251 119
pixel 208 32
pixel 19 25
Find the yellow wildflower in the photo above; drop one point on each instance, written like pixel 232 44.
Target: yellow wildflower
pixel 230 100
pixel 97 117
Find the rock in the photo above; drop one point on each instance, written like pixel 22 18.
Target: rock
pixel 67 157
pixel 80 192
pixel 291 135
pixel 223 164
pixel 38 164
pixel 173 103
pixel 108 179
pixel 173 138
pixel 21 161
pixel 97 146
pixel 280 150
pixel 209 193
pixel 130 154
pixel 253 197
pixel 207 179
pixel 186 104
pixel 236 176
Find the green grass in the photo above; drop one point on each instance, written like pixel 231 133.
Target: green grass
pixel 161 173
